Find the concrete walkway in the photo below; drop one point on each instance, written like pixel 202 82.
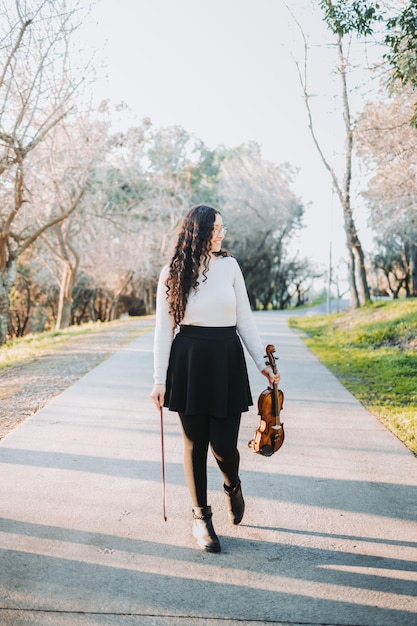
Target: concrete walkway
pixel 329 537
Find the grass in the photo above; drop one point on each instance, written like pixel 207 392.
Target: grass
pixel 34 346
pixel 373 352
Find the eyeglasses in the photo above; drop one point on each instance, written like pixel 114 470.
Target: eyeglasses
pixel 220 230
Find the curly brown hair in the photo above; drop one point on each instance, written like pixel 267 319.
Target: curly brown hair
pixel 192 251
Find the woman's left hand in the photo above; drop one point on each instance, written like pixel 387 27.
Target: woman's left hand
pixel 269 373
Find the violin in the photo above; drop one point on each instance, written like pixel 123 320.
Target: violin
pixel 270 435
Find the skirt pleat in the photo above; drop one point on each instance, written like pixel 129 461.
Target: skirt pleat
pixel 207 373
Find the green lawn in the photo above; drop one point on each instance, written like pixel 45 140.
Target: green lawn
pixel 373 352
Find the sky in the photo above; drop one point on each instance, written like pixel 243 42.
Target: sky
pixel 225 70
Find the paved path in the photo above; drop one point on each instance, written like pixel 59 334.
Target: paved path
pixel 330 534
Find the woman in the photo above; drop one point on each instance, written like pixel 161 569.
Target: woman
pixel 199 365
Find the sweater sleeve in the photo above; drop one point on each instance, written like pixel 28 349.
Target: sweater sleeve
pixel 163 331
pixel 245 322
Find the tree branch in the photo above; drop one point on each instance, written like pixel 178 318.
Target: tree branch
pixel 15 48
pixel 28 242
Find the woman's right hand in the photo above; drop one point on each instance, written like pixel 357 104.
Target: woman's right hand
pixel 158 395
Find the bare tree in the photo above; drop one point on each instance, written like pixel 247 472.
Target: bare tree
pixel 67 162
pixel 36 90
pixel 388 146
pixel 263 213
pixel 150 178
pixel 342 185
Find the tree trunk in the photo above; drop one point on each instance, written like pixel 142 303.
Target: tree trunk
pixel 413 270
pixel 113 309
pixel 4 310
pixel 63 319
pixel 354 296
pixel 360 293
pixel 7 278
pixel 91 310
pixel 359 282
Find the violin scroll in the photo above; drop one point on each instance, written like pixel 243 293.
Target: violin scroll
pixel 270 359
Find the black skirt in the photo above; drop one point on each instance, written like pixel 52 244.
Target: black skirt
pixel 207 373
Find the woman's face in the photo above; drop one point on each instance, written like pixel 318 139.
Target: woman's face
pixel 218 234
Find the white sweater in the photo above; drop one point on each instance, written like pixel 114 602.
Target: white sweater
pixel 221 300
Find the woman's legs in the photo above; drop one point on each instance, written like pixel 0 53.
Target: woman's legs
pixel 221 434
pixel 199 432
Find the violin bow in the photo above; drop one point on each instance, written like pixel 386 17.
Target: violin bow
pixel 164 493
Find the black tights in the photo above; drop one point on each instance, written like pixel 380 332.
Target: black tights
pixel 221 434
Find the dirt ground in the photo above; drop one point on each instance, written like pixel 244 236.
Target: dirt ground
pixel 25 389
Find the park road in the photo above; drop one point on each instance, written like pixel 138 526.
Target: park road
pixel 329 535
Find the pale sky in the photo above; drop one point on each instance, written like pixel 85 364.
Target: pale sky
pixel 225 71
